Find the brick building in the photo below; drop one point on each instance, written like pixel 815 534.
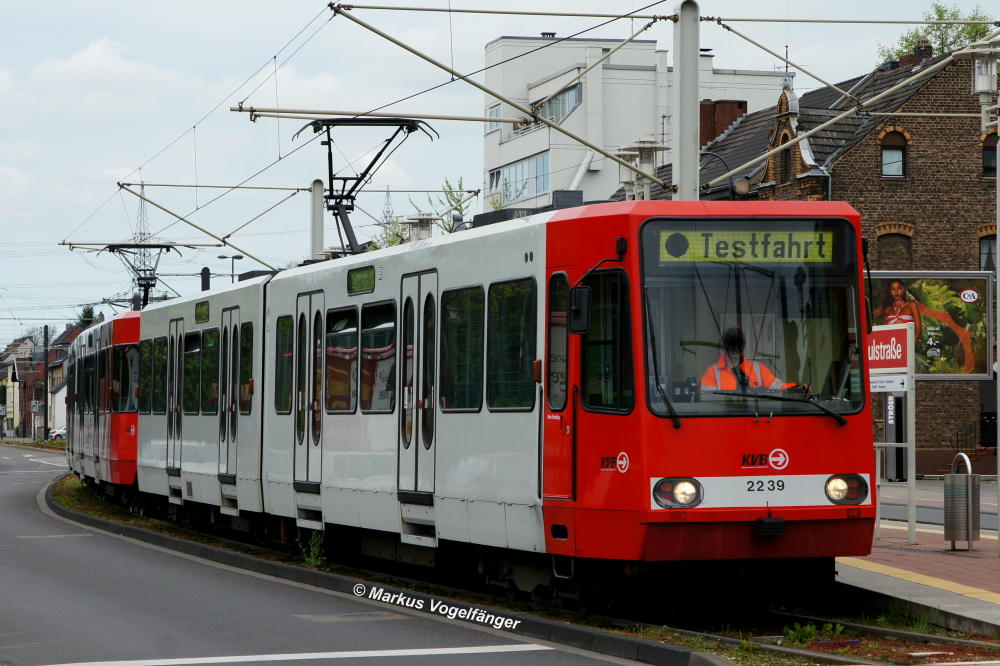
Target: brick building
pixel 925 188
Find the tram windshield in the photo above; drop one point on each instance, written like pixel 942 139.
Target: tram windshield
pixel 751 317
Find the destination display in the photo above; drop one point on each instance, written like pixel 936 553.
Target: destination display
pixel 747 246
pixel 361 280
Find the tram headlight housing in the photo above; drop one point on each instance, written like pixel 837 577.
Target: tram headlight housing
pixel 677 493
pixel 846 489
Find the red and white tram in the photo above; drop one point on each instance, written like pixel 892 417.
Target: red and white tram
pixel 540 385
pixel 102 407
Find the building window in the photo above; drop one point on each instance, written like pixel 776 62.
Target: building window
pixel 495 180
pixel 786 165
pixel 988 253
pixel 990 156
pixel 894 155
pixel 559 107
pixel 524 179
pixel 493 112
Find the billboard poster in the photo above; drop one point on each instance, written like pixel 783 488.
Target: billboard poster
pixel 952 317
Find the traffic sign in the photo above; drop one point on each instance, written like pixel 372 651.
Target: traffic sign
pixel 888 383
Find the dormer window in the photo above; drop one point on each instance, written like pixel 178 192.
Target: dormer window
pixel 894 155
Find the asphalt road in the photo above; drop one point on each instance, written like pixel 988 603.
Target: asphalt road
pixel 930 503
pixel 71 595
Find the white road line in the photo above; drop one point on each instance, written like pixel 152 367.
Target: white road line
pixel 58 462
pixel 55 536
pixel 359 654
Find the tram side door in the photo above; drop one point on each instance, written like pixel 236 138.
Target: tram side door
pixel 175 391
pixel 308 421
pixel 418 344
pixel 229 391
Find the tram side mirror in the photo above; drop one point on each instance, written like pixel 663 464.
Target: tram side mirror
pixel 579 309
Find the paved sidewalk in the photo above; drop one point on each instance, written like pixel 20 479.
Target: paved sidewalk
pixel 962 584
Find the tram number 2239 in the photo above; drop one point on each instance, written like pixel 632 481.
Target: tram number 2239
pixel 765 485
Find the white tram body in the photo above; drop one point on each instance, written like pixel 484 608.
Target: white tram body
pixel 466 475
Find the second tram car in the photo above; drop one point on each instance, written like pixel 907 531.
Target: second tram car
pixel 630 382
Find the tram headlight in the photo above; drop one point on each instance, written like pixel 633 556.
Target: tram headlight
pixel 677 493
pixel 846 489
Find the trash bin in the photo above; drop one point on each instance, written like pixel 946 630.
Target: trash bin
pixel 961 503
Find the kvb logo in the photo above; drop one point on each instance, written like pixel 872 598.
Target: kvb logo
pixel 778 459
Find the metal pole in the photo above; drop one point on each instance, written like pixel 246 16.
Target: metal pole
pixel 316 114
pixel 520 107
pixel 45 382
pixel 317 206
pixel 911 437
pixel 685 100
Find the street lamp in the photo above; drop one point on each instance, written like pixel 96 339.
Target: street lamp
pixel 232 264
pixel 739 187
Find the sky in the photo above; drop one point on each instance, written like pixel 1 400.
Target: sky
pixel 98 92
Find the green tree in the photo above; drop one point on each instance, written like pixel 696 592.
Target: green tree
pixel 945 38
pixel 451 202
pixel 391 232
pixel 86 316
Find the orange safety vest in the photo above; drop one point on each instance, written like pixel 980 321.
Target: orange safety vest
pixel 722 378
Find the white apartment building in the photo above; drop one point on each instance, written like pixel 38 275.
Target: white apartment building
pixel 624 100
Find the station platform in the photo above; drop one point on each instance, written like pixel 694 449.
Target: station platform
pixel 959 589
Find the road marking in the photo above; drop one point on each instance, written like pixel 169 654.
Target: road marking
pixel 363 616
pixel 54 536
pixel 359 654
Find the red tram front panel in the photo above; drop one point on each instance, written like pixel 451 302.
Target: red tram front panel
pixel 778 462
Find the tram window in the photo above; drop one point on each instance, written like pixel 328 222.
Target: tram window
pixel 246 366
pixel 192 372
pixel 378 358
pixel 145 375
pixel 126 376
pixel 300 378
pixel 462 314
pixel 210 371
pixel 316 390
pixel 160 375
pixel 558 341
pixel 341 360
pixel 607 347
pixel 776 298
pixel 427 374
pixel 284 342
pixel 103 388
pixel 510 349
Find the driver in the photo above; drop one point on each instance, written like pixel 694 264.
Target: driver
pixel 733 372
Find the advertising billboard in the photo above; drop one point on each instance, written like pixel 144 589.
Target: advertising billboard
pixel 952 317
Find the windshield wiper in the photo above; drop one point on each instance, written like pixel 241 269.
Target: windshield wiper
pixel 786 398
pixel 656 364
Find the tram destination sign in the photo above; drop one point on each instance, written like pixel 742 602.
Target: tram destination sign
pixel 361 280
pixel 747 246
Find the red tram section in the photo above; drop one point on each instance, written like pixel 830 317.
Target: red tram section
pixel 102 402
pixel 706 395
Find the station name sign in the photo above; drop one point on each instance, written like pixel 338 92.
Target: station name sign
pixel 887 350
pixel 747 246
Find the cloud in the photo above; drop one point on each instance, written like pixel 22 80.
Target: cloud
pixel 99 79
